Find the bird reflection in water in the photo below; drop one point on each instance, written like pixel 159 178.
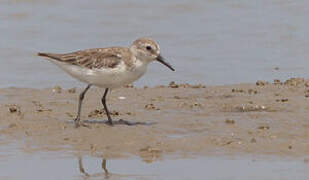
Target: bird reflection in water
pixel 103 166
pixel 106 174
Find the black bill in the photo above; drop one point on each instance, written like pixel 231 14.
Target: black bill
pixel 162 60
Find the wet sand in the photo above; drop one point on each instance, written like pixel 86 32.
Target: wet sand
pixel 180 120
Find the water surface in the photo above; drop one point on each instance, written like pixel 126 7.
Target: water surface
pixel 60 165
pixel 209 42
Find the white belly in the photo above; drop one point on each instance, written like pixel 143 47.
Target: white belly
pixel 105 78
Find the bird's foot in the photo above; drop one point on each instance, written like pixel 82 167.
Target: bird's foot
pixel 110 123
pixel 77 123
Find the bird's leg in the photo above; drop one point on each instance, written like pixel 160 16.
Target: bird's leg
pixel 81 97
pixel 81 167
pixel 110 121
pixel 104 167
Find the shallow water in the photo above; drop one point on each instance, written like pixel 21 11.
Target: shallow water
pixel 17 163
pixel 210 42
pixel 61 165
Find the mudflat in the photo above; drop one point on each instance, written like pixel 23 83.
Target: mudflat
pixel 178 119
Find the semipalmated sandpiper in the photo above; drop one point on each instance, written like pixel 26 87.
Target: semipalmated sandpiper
pixel 108 68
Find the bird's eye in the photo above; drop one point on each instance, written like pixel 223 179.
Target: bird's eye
pixel 148 48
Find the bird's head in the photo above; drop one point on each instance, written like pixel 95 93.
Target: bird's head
pixel 146 49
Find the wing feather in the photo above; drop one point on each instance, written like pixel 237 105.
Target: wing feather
pixel 92 58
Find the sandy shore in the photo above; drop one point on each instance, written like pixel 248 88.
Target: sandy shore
pixel 181 120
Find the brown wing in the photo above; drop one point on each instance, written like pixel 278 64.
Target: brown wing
pixel 92 58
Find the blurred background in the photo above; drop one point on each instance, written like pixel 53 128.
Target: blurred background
pixel 213 42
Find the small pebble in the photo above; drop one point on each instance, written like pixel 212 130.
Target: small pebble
pixel 263 127
pixel 13 108
pixel 129 86
pixel 151 150
pixel 252 108
pixel 253 140
pixel 229 121
pixel 237 90
pixel 72 90
pixel 196 104
pixel 151 107
pixel 252 91
pixel 57 89
pixel 282 100
pixel 173 85
pixel 277 82
pixel 261 83
pixel 101 112
pixel 294 81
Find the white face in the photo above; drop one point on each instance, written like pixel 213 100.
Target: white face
pixel 145 49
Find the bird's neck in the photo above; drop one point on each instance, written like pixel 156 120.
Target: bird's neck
pixel 138 63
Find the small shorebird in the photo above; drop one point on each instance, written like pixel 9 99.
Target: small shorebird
pixel 108 67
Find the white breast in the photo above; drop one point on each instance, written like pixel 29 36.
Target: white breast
pixel 105 78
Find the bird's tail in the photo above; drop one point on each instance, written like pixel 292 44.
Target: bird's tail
pixel 50 55
pixel 44 54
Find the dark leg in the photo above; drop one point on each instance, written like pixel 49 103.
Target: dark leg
pixel 110 121
pixel 81 167
pixel 104 167
pixel 81 97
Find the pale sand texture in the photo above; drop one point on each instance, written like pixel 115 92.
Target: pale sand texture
pixel 182 120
